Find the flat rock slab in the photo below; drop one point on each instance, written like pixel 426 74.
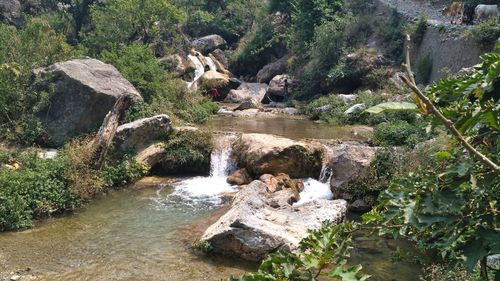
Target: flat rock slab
pixel 141 133
pixel 260 223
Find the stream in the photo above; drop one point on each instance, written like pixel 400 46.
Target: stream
pixel 145 231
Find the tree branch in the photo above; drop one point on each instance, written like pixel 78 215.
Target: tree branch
pixel 446 122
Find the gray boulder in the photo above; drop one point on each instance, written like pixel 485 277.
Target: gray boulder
pixel 247 91
pixel 355 108
pixel 151 155
pixel 347 99
pixel 271 70
pixel 209 43
pixel 260 223
pixel 177 64
pixel 350 164
pixel 268 154
pixel 248 104
pixel 10 11
pixel 221 56
pixel 83 91
pixel 141 133
pixel 277 85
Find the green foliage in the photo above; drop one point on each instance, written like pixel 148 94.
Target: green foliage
pixel 486 33
pixel 121 22
pixel 203 246
pixel 327 248
pixel 450 206
pixel 392 106
pixel 188 152
pixel 32 46
pixel 424 69
pixel 398 133
pixel 123 171
pixel 392 35
pixel 37 189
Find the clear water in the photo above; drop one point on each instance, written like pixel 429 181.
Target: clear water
pixel 198 71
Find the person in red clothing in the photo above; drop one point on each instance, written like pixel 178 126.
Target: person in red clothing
pixel 214 93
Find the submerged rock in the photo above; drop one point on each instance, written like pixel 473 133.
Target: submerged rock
pixel 210 43
pixel 267 154
pixel 84 91
pixel 260 223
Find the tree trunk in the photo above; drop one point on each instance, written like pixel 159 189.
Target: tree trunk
pixel 107 131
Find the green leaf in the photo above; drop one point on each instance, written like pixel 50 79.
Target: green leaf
pixel 392 106
pixel 350 274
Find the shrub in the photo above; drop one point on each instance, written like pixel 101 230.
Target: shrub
pixel 188 152
pixel 392 35
pixel 486 33
pixel 398 133
pixel 122 171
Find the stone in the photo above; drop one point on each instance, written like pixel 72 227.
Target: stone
pixel 355 108
pixel 10 12
pixel 359 206
pixel 248 104
pixel 141 133
pixel 268 154
pixel 350 163
pixel 209 43
pixel 260 223
pixel 240 177
pixel 271 182
pixel 246 113
pixel 47 153
pixel 290 111
pixel 246 91
pixel 347 99
pixel 219 66
pixel 211 79
pixel 322 109
pixel 221 56
pixel 151 155
pixel 268 72
pixel 277 85
pixel 84 91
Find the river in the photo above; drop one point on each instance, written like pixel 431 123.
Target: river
pixel 145 231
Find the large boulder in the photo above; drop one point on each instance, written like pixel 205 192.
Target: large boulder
pixel 209 43
pixel 151 155
pixel 10 11
pixel 220 56
pixel 350 165
pixel 247 91
pixel 260 223
pixel 240 177
pixel 248 104
pixel 211 79
pixel 267 154
pixel 141 133
pixel 271 70
pixel 82 91
pixel 277 85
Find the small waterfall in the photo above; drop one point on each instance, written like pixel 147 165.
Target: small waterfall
pixel 326 172
pixel 211 64
pixel 200 69
pixel 221 164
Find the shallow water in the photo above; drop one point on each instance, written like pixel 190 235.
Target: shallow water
pixel 292 128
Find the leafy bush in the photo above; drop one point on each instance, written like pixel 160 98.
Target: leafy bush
pixel 398 133
pixel 486 33
pixel 122 171
pixel 323 253
pixel 188 152
pixel 392 35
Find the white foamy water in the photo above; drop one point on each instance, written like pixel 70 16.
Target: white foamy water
pixel 211 64
pixel 209 189
pixel 200 69
pixel 313 190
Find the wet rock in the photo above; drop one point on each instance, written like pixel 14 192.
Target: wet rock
pixel 141 133
pixel 272 184
pixel 219 66
pixel 267 154
pixel 210 43
pixel 350 164
pixel 359 206
pixel 268 72
pixel 211 79
pixel 245 91
pixel 84 91
pixel 355 108
pixel 246 113
pixel 240 177
pixel 260 223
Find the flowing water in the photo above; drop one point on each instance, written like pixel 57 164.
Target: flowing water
pixel 211 64
pixel 145 232
pixel 200 69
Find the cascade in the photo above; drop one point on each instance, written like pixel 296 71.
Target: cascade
pixel 200 69
pixel 211 64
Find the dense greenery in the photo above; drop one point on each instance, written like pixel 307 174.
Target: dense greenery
pixel 188 152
